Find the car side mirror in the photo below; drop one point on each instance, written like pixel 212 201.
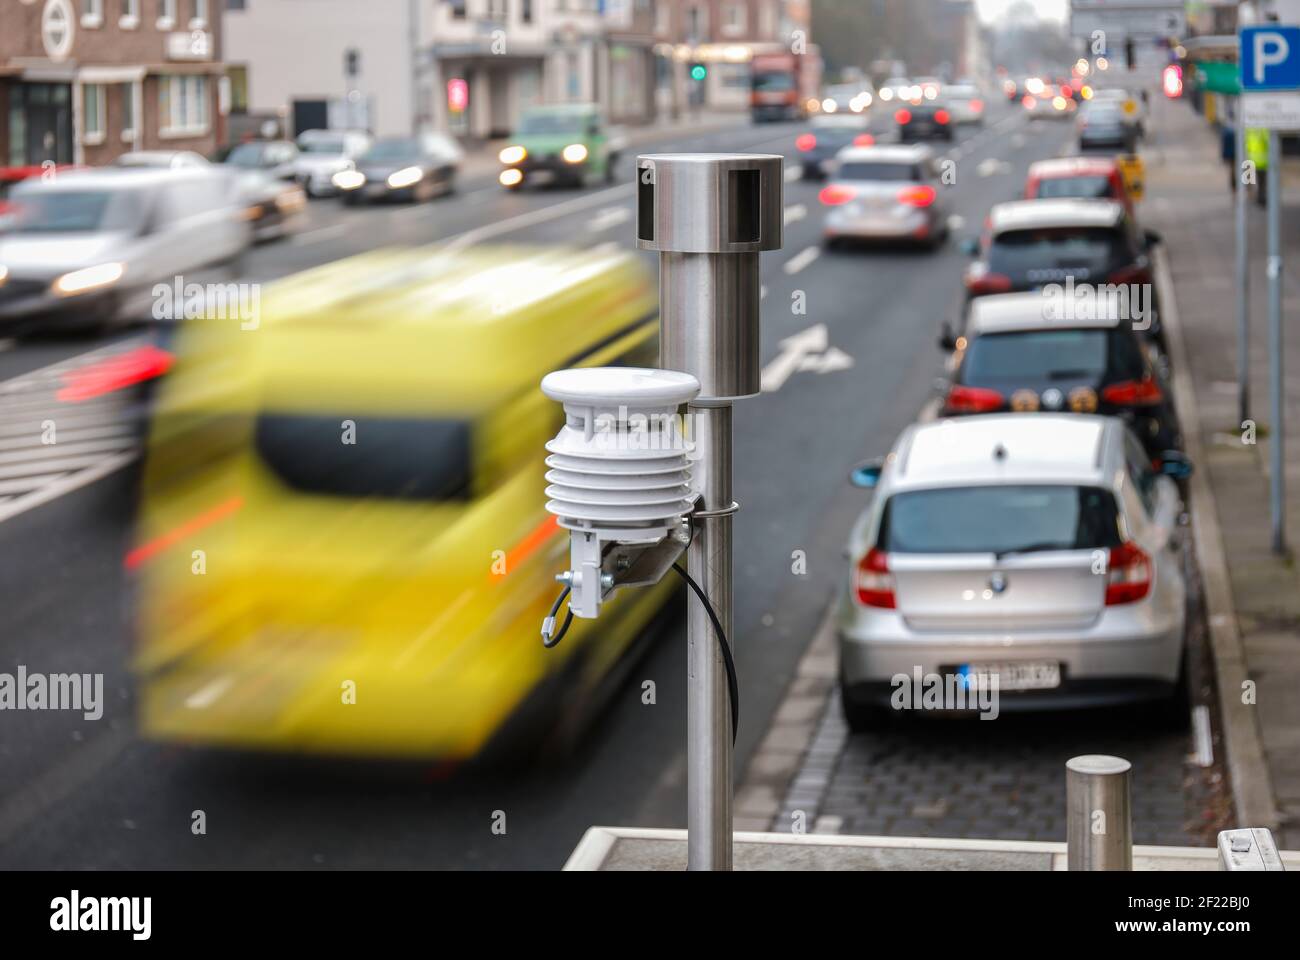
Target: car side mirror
pixel 1175 464
pixel 947 339
pixel 971 247
pixel 1152 237
pixel 867 475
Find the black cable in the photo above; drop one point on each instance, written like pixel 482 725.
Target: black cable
pixel 549 623
pixel 733 686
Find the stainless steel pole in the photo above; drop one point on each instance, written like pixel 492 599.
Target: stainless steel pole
pixel 1243 276
pixel 1277 479
pixel 1099 816
pixel 709 216
pixel 708 702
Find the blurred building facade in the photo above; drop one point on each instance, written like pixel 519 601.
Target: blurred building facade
pixel 83 81
pixel 472 66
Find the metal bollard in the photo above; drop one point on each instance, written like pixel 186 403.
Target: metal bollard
pixel 1099 813
pixel 708 216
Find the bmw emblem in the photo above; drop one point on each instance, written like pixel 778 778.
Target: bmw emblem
pixel 1053 398
pixel 998 583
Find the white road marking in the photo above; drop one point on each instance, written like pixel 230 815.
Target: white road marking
pixel 956 221
pixel 801 260
pixel 807 351
pixel 795 212
pixel 609 217
pixel 606 248
pixel 992 167
pixel 791 174
pixel 1201 735
pixel 487 231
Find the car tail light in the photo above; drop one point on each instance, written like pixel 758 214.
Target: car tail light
pixel 805 142
pixel 977 106
pixel 941 117
pixel 1133 393
pixel 918 196
pixel 982 283
pixel 1128 575
pixel 875 584
pixel 962 399
pixel 903 116
pixel 834 195
pixel 864 140
pixel 1028 102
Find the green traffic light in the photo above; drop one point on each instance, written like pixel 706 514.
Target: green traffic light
pixel 699 72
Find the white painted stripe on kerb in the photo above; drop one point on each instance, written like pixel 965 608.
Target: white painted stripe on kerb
pixel 1201 735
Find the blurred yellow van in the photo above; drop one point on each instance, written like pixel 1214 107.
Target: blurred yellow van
pixel 342 545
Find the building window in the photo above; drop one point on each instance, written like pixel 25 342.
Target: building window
pixel 128 111
pixel 697 24
pixel 92 13
pixel 457 9
pixel 663 18
pixel 166 14
pixel 235 5
pixel 200 15
pixel 497 10
pixel 92 113
pixel 526 11
pixel 238 74
pixel 733 18
pixel 182 105
pixel 130 18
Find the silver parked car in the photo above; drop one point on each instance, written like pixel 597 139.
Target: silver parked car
pixel 1037 548
pixel 885 193
pixel 324 153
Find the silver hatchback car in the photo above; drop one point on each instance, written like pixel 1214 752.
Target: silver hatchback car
pixel 1034 555
pixel 885 193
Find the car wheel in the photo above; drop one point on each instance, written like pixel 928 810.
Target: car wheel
pixel 861 717
pixel 610 163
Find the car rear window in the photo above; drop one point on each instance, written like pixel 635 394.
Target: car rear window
pixel 403 458
pixel 1087 188
pixel 1087 252
pixel 881 172
pixel 1000 519
pixel 1032 355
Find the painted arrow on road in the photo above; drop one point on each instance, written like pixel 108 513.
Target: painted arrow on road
pixel 807 351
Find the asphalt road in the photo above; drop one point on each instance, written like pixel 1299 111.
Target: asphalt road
pixel 91 795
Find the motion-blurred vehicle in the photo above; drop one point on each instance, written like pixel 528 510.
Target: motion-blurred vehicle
pixel 12 176
pixel 275 158
pixel 1027 352
pixel 896 88
pixel 1086 178
pixel 848 97
pixel 924 120
pixel 1103 125
pixel 1129 104
pixel 826 136
pixel 161 159
pixel 964 102
pixel 885 193
pixel 782 83
pixel 1010 89
pixel 564 143
pixel 362 475
pixel 323 153
pixel 1035 551
pixel 87 247
pixel 1050 103
pixel 1029 244
pixel 402 168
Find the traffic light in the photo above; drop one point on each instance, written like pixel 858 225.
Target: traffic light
pixel 699 71
pixel 351 61
pixel 1130 54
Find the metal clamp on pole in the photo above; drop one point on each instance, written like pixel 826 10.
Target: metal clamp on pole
pixel 1099 813
pixel 709 216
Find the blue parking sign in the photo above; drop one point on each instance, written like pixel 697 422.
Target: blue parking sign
pixel 1270 58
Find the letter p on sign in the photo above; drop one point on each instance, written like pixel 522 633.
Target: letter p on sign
pixel 1270 50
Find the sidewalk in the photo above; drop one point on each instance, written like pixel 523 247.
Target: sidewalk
pixel 1188 201
pixel 481 158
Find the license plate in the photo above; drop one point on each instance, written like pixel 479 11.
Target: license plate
pixel 1013 675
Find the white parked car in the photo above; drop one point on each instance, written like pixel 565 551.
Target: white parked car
pixel 324 153
pixel 87 247
pixel 1040 548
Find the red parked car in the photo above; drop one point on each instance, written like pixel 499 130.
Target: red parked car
pixel 1083 178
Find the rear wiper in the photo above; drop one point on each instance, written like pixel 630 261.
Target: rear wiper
pixel 1033 548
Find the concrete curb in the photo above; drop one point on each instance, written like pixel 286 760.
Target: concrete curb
pixel 1252 784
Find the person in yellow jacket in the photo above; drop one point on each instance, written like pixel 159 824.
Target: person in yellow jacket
pixel 1257 153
